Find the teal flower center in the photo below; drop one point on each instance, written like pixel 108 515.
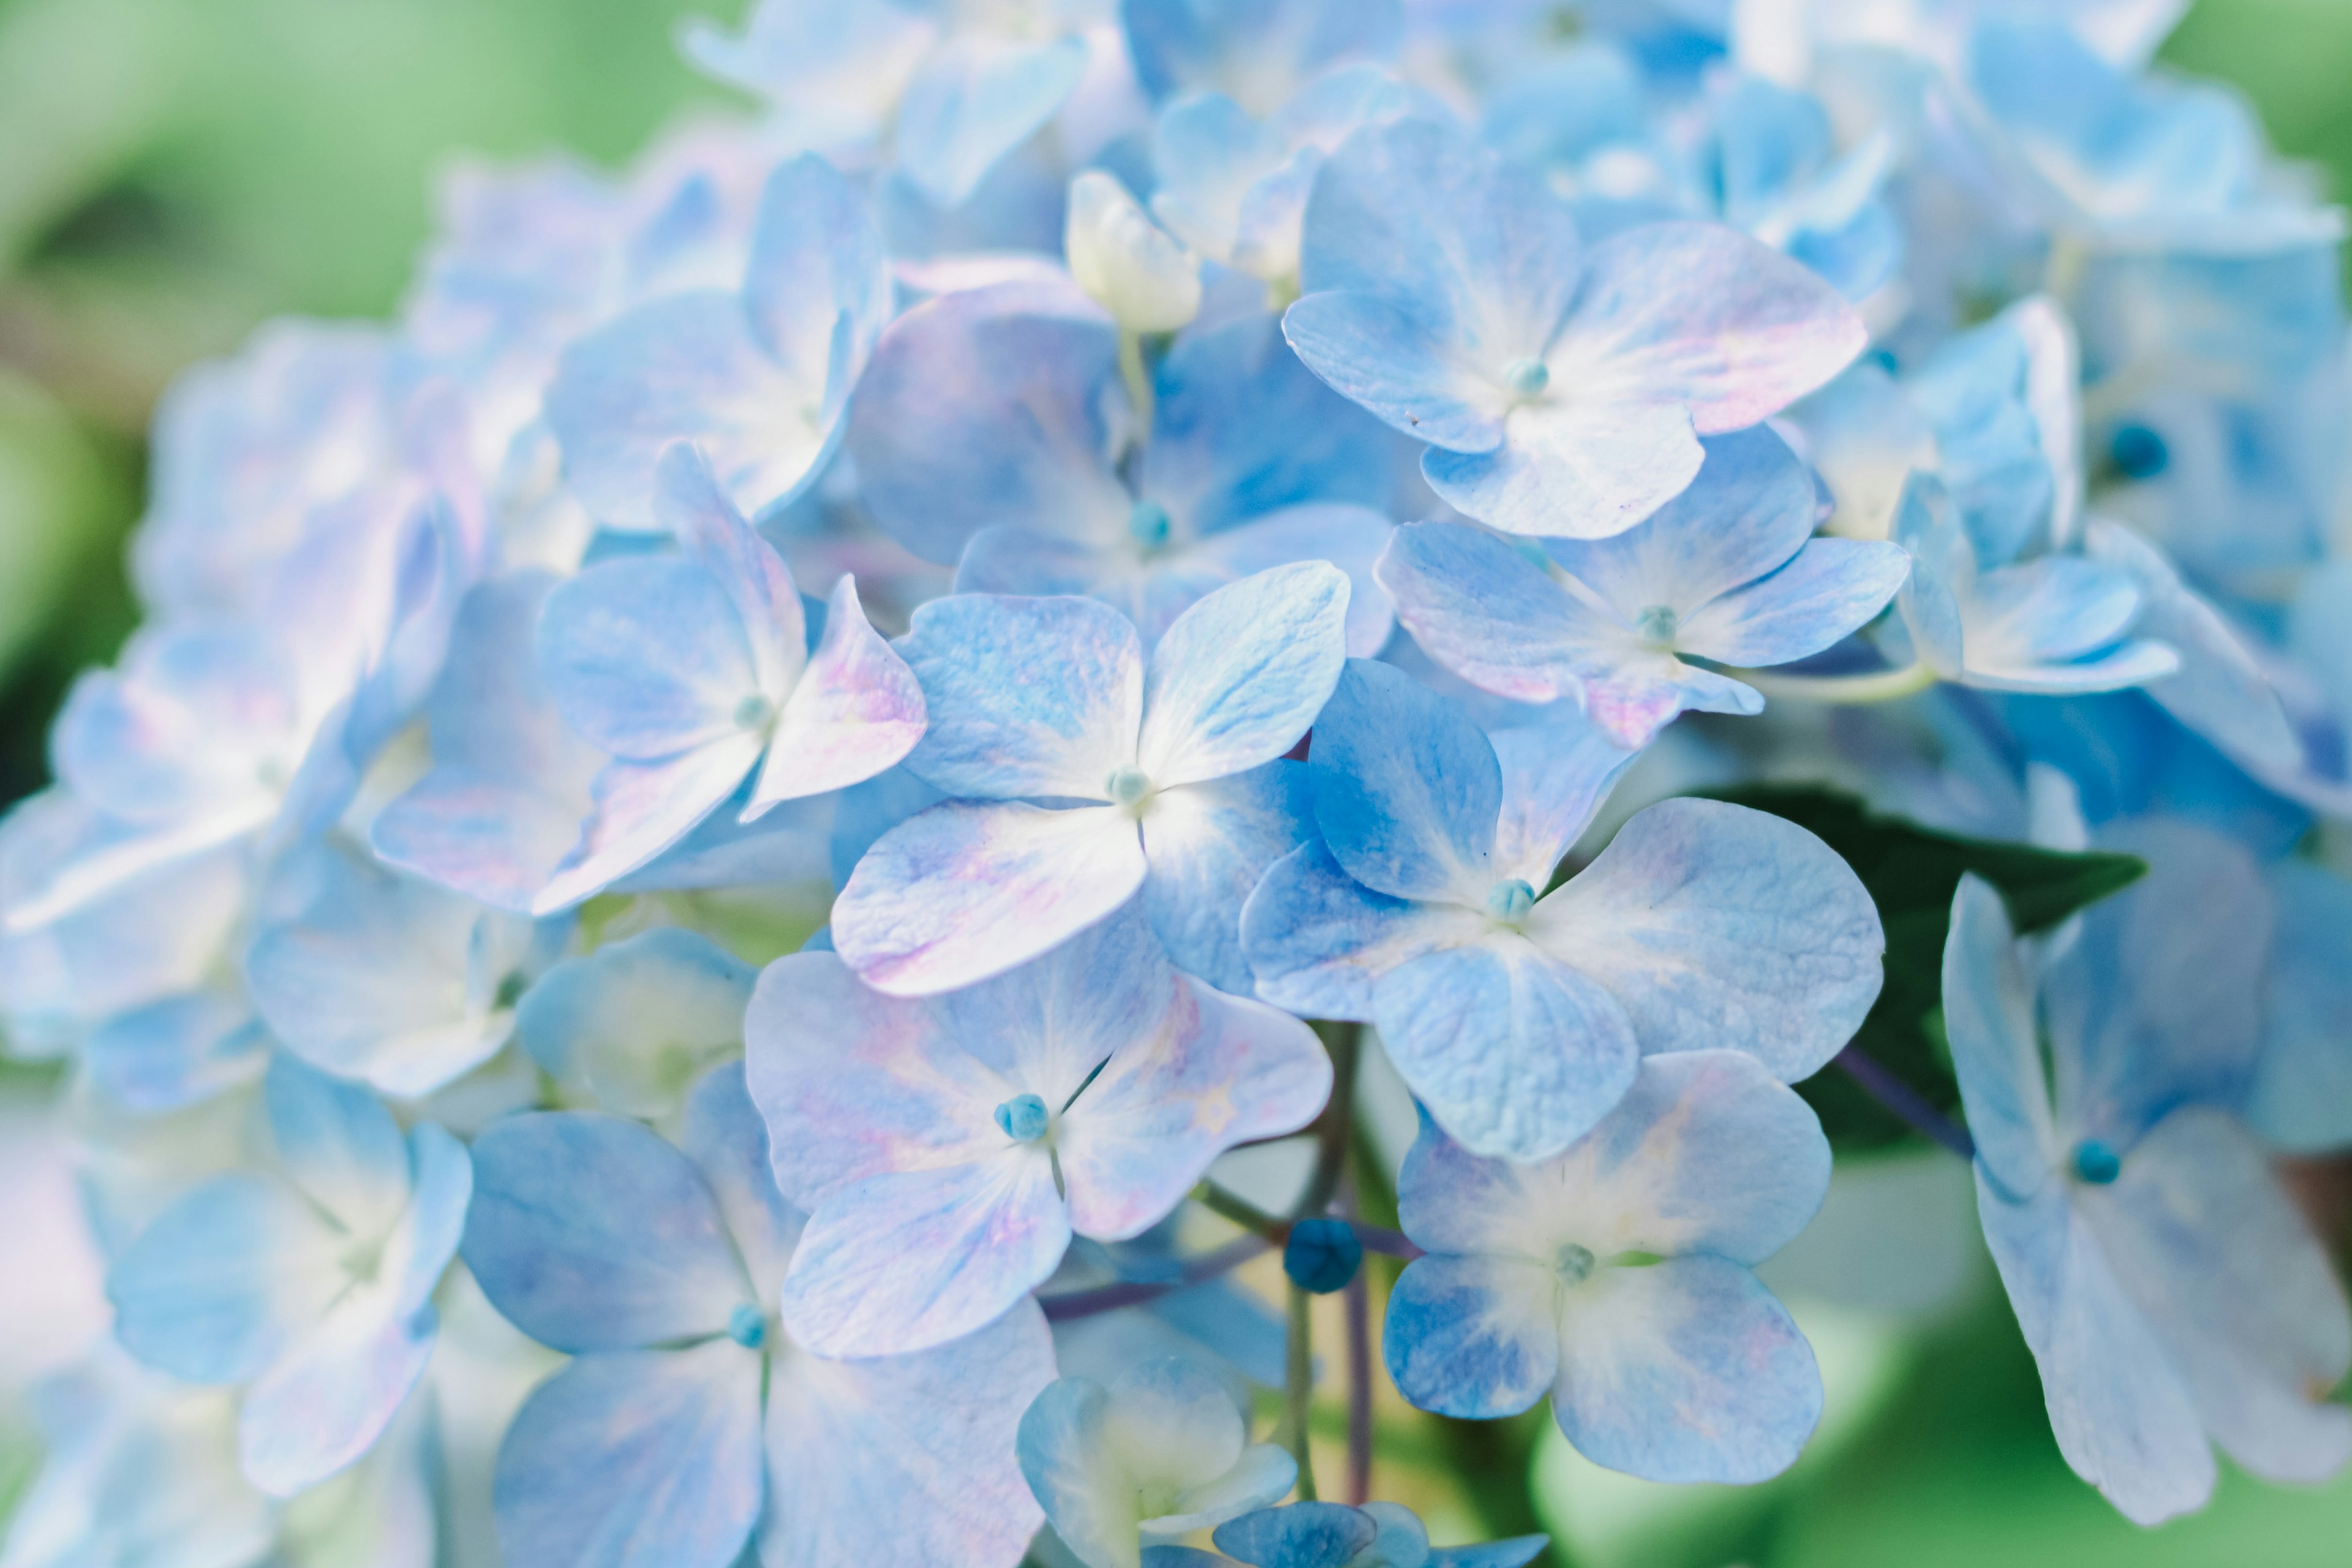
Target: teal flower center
pixel 1527 378
pixel 1509 902
pixel 746 1327
pixel 1149 524
pixel 1127 786
pixel 2097 1162
pixel 1657 626
pixel 1573 1264
pixel 754 711
pixel 1023 1117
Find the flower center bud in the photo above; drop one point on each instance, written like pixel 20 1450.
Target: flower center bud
pixel 1127 786
pixel 1023 1117
pixel 1572 1263
pixel 746 1327
pixel 1657 626
pixel 1510 900
pixel 1148 524
pixel 1527 378
pixel 754 711
pixel 2096 1164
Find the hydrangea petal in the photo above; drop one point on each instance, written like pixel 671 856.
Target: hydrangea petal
pixel 1831 588
pixel 339 1146
pixel 643 809
pixel 632 1021
pixel 217 1286
pixel 1318 941
pixel 647 656
pixel 1486 611
pixel 906 1260
pixel 1576 468
pixel 1686 1371
pixel 1990 1018
pixel 856 710
pixel 1555 774
pixel 592 1234
pixel 2301 1099
pixel 1240 676
pixel 972 101
pixel 964 891
pixel 1406 788
pixel 1209 844
pixel 1715 925
pixel 333 1394
pixel 639 1459
pixel 1374 354
pixel 1474 1338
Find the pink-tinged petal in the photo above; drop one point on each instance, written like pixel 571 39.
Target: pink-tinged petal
pixel 1047 1026
pixel 905 1461
pixel 908 1260
pixel 1687 1370
pixel 330 1397
pixel 852 1083
pixel 966 890
pixel 1706 319
pixel 1487 613
pixel 643 808
pixel 1218 1071
pixel 1576 466
pixel 856 710
pixel 1634 697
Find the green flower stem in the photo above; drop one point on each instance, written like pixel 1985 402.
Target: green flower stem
pixel 1881 686
pixel 1298 1388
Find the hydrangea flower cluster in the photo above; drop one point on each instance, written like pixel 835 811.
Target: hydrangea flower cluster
pixel 659 941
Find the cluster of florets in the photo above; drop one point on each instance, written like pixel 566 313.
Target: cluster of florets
pixel 1150 562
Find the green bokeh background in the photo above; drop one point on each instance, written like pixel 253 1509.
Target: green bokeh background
pixel 172 171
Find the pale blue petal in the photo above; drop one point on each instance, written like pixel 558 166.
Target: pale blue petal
pixel 2302 1095
pixel 1832 589
pixel 1318 940
pixel 436 1222
pixel 1190 45
pixel 339 1145
pixel 643 809
pixel 632 1022
pixel 1750 510
pixel 909 1260
pixel 727 1138
pixel 1633 693
pixel 2131 664
pixel 856 710
pixel 1572 467
pixel 646 655
pixel 1303 1535
pixel 974 100
pixel 218 1285
pixel 1704 318
pixel 1239 676
pixel 493 839
pixel 590 1232
pixel 711 532
pixel 1991 1020
pixel 1351 537
pixel 1216 1071
pixel 1026 697
pixel 1717 926
pixel 2235 1282
pixel 1374 354
pixel 1686 1371
pixel 1472 1337
pixel 642 1459
pixel 327 1401
pixel 1487 613
pixel 1416 214
pixel 1514 1053
pixel 1049 1025
pixel 175 730
pixel 991 407
pixel 908 1458
pixel 1555 774
pixel 176 1052
pixel 1406 788
pixel 692 367
pixel 852 1083
pixel 2123 1416
pixel 1073 1472
pixel 964 891
pixel 2049 609
pixel 818 286
pixel 1209 844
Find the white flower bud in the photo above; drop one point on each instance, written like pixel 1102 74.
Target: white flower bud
pixel 1128 263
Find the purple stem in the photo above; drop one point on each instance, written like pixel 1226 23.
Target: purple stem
pixel 1071 1304
pixel 1905 1102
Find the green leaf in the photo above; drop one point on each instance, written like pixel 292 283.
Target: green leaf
pixel 1911 873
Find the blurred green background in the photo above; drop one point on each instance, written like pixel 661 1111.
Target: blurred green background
pixel 173 171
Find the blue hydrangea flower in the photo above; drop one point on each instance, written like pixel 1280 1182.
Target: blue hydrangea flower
pixel 388 979
pixel 2171 1293
pixel 1167 774
pixel 1048 481
pixel 2300 1097
pixel 1727 572
pixel 1562 391
pixel 630 1027
pixel 948 1150
pixel 502 804
pixel 1518 1016
pixel 955 86
pixel 689 1424
pixel 311 1283
pixel 1617 1276
pixel 759 380
pixel 694 670
pixel 1377 1535
pixel 1159 1452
